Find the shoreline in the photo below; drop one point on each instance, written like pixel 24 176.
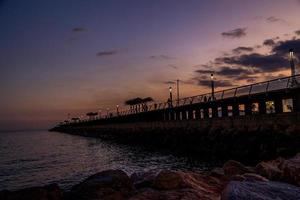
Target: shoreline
pixel 279 177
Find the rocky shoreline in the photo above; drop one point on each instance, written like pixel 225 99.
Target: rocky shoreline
pixel 275 179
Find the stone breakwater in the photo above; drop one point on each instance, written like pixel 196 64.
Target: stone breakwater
pixel 253 137
pixel 275 179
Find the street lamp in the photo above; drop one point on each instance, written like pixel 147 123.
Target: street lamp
pixel 99 114
pixel 107 112
pixel 212 87
pixel 177 87
pixel 293 70
pixel 118 109
pixel 171 97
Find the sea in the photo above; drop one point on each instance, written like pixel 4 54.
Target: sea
pixel 37 158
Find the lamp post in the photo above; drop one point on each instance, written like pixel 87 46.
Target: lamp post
pixel 293 70
pixel 99 114
pixel 171 96
pixel 118 109
pixel 107 112
pixel 177 86
pixel 212 87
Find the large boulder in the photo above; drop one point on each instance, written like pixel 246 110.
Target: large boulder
pixel 110 184
pixel 257 190
pixel 291 170
pixel 143 179
pixel 168 179
pixel 173 185
pixel 269 170
pixel 49 192
pixel 232 168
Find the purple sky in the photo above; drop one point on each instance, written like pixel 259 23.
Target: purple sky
pixel 73 56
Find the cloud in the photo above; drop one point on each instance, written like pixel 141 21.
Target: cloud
pixel 242 49
pixel 161 57
pixel 268 63
pixel 249 67
pixel 169 82
pixel 282 47
pixel 269 42
pixel 229 71
pixel 297 32
pixel 204 71
pixel 236 33
pixel 217 83
pixel 106 53
pixel 173 66
pixel 273 19
pixel 79 29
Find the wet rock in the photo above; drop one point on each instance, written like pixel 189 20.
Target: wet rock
pixel 232 168
pixel 269 170
pixel 167 180
pixel 49 192
pixel 110 184
pixel 291 170
pixel 254 177
pixel 143 179
pixel 257 190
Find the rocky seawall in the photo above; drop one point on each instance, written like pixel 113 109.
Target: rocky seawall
pixel 253 137
pixel 275 179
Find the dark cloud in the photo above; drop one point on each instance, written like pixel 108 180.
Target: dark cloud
pixel 273 19
pixel 269 42
pixel 106 53
pixel 79 29
pixel 173 66
pixel 242 49
pixel 169 82
pixel 161 57
pixel 236 33
pixel 282 47
pixel 207 83
pixel 204 71
pixel 229 71
pixel 247 66
pixel 272 62
pixel 297 32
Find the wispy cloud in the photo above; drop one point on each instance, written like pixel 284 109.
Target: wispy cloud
pixel 161 57
pixel 106 53
pixel 173 66
pixel 79 29
pixel 249 66
pixel 236 33
pixel 242 49
pixel 273 19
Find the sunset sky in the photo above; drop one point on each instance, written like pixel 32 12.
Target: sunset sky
pixel 74 56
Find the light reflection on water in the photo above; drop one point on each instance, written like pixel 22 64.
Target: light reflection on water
pixel 38 158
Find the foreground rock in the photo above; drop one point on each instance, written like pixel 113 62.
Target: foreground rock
pixel 260 191
pixel 110 184
pixel 281 170
pixel 49 192
pixel 231 182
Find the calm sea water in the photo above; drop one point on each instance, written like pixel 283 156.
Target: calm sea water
pixel 40 157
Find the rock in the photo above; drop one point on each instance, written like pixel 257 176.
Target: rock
pixel 110 184
pixel 254 177
pixel 167 180
pixel 49 192
pixel 257 190
pixel 232 168
pixel 143 179
pixel 269 170
pixel 291 170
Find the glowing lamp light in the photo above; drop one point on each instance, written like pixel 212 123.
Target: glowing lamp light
pixel 170 89
pixel 212 76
